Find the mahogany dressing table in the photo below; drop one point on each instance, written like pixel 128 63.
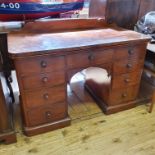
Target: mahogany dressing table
pixel 47 54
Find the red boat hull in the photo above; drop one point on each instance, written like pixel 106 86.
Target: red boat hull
pixel 20 17
pixel 19 10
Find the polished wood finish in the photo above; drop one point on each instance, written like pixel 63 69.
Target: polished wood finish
pixel 50 53
pixel 124 13
pixel 7 135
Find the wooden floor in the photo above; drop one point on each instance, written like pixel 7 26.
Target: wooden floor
pixel 131 132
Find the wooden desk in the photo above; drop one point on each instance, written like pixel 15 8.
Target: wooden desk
pixel 45 62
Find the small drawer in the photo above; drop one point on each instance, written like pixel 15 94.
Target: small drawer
pixel 45 96
pixel 47 114
pixel 101 56
pixel 45 79
pixel 119 96
pixel 125 80
pixel 80 60
pixel 133 52
pixel 126 66
pixel 39 64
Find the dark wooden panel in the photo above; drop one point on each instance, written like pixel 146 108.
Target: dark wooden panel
pixel 145 7
pixel 123 12
pixel 98 8
pixel 4 115
pixel 7 135
pixel 5 62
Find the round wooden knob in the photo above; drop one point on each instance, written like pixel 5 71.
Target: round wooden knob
pixel 45 79
pixel 124 95
pixel 130 51
pixel 46 96
pixel 91 57
pixel 127 80
pixel 48 115
pixel 129 66
pixel 43 64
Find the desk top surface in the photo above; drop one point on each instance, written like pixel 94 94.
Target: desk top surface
pixel 30 44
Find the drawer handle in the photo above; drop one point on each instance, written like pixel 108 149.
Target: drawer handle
pixel 129 66
pixel 127 80
pixel 124 95
pixel 45 79
pixel 46 96
pixel 48 115
pixel 130 51
pixel 91 57
pixel 43 64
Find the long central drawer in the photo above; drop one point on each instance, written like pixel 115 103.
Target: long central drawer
pixel 86 59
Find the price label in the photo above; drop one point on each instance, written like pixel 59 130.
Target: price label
pixel 10 5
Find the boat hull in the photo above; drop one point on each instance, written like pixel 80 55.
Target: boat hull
pixel 28 11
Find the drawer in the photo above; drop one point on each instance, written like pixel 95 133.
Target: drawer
pixel 47 114
pixel 125 80
pixel 40 64
pixel 79 60
pixel 119 96
pixel 45 79
pixel 126 66
pixel 45 96
pixel 101 56
pixel 94 57
pixel 134 52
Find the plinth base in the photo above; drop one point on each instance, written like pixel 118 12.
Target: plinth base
pixel 31 131
pixel 8 138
